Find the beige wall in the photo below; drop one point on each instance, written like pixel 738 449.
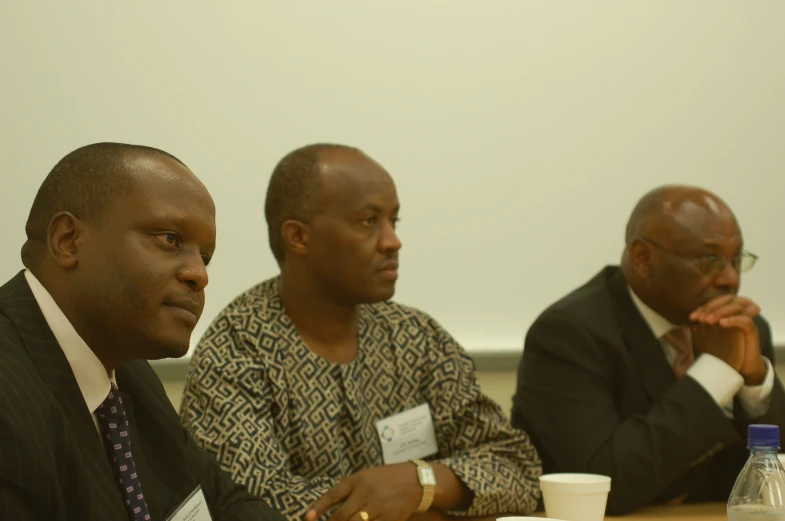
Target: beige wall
pixel 499 385
pixel 565 112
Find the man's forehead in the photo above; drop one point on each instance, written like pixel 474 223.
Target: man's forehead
pixel 156 168
pixel 350 180
pixel 164 183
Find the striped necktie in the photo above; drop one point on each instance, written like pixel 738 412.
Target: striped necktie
pixel 114 432
pixel 680 339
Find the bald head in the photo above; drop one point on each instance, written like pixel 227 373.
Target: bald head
pixel 670 208
pixel 295 188
pixel 84 183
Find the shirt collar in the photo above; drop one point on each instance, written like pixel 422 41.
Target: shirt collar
pixel 88 370
pixel 659 325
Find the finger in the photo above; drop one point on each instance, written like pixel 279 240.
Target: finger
pixel 751 309
pixel 738 321
pixel 350 510
pixel 696 315
pixel 742 304
pixel 731 308
pixel 724 306
pixel 714 303
pixel 330 498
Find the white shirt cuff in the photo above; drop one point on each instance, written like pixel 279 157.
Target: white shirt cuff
pixel 719 379
pixel 755 399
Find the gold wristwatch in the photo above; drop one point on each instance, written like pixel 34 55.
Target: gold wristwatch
pixel 428 482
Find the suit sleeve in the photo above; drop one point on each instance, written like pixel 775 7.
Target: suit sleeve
pixel 226 407
pixel 565 397
pixel 498 463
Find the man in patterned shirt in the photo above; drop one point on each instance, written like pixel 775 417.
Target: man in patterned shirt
pixel 296 385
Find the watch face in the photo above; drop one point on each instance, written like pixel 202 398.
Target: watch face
pixel 427 477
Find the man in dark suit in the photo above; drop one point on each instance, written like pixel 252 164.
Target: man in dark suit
pixel 118 240
pixel 609 382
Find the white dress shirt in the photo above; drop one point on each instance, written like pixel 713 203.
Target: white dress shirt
pixel 719 379
pixel 90 374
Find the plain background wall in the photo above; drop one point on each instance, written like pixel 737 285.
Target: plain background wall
pixel 519 133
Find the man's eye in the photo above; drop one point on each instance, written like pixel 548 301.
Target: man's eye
pixel 712 263
pixel 370 220
pixel 170 239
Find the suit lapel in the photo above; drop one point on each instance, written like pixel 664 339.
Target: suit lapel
pixel 645 349
pixel 19 305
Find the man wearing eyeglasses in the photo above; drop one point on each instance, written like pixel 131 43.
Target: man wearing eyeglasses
pixel 651 371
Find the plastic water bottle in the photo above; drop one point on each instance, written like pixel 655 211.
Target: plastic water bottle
pixel 759 492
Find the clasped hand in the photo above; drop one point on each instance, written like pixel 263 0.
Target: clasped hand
pixel 723 327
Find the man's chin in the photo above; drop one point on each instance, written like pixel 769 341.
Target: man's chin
pixel 169 350
pixel 381 295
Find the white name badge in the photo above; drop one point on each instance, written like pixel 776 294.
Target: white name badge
pixel 194 508
pixel 407 435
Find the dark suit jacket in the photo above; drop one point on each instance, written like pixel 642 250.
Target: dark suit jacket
pixel 52 462
pixel 597 395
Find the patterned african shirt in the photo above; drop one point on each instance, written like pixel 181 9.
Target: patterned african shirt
pixel 289 424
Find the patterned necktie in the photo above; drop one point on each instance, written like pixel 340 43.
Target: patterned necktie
pixel 680 338
pixel 114 433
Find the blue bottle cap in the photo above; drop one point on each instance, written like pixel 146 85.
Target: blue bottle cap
pixel 761 436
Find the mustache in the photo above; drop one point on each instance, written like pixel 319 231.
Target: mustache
pixel 188 303
pixel 391 263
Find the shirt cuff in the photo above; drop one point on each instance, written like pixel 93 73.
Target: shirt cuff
pixel 719 379
pixel 755 399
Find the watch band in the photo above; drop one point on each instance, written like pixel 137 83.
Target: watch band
pixel 428 485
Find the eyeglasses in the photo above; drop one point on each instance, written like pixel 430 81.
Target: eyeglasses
pixel 712 264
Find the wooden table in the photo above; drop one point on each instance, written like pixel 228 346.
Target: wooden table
pixel 688 512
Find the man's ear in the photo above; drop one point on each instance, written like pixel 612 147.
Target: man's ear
pixel 640 258
pixel 64 236
pixel 295 236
